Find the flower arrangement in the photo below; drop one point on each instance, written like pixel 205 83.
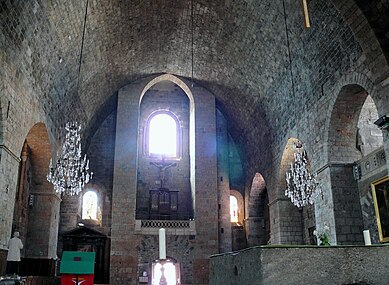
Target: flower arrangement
pixel 323 236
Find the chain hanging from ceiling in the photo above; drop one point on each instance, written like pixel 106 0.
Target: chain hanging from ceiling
pixel 301 184
pixel 71 172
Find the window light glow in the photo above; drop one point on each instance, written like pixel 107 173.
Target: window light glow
pixel 233 209
pixel 163 136
pixel 169 272
pixel 89 205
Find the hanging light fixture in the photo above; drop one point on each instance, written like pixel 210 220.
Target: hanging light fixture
pixel 301 185
pixel 71 172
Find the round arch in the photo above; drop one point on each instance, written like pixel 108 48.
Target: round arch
pixel 342 134
pixel 283 210
pixel 335 93
pixel 41 223
pixel 257 213
pixel 343 150
pixel 240 201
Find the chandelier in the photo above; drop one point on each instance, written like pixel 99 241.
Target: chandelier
pixel 301 185
pixel 71 172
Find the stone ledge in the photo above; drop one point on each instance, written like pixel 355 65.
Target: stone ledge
pixel 279 264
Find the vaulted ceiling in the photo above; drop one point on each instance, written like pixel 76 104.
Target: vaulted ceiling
pixel 239 50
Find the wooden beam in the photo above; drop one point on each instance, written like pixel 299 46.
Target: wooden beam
pixel 306 14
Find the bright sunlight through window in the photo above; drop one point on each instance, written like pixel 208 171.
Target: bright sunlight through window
pixel 234 209
pixel 169 272
pixel 163 136
pixel 89 205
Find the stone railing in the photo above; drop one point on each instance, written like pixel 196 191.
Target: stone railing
pixel 172 227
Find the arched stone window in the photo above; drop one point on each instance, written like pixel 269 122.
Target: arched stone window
pixel 234 209
pixel 171 271
pixel 162 135
pixel 89 206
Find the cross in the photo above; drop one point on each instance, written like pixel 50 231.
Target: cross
pixel 162 166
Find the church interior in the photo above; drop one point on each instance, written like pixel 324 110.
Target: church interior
pixel 237 126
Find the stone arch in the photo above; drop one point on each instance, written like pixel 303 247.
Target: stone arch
pixel 342 138
pixel 126 178
pixel 350 79
pixel 185 119
pixel 35 196
pixel 342 153
pixel 99 189
pixel 281 207
pixel 286 160
pixel 257 216
pixel 168 77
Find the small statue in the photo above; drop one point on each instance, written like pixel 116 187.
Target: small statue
pixel 162 169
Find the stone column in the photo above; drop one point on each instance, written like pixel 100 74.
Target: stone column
pixel 124 261
pixel 9 165
pixel 223 185
pixel 206 206
pixel 324 206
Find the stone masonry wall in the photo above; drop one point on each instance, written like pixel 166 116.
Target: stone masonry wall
pixel 304 265
pixel 100 153
pixel 165 97
pixel 347 208
pixel 125 268
pixel 324 58
pixel 223 182
pixel 372 167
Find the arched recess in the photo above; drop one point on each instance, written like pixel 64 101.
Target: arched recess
pixel 292 225
pixel 240 206
pixel 238 234
pixel 95 217
pixel 349 140
pixel 257 213
pixel 369 137
pixel 36 212
pixel 343 129
pixel 171 270
pixel 203 171
pixel 169 95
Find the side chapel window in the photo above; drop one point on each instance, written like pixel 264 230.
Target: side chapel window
pixel 89 206
pixel 234 209
pixel 162 136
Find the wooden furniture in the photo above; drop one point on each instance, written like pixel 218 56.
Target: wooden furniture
pixel 163 204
